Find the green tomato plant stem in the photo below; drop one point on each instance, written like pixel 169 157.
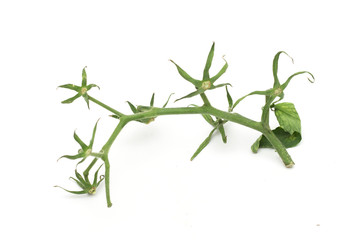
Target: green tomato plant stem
pixel 87 170
pixel 288 134
pixel 279 147
pixel 205 99
pixel 106 106
pixel 265 116
pixel 205 109
pixel 105 158
pixel 107 179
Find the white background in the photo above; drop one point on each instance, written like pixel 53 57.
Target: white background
pixel 227 192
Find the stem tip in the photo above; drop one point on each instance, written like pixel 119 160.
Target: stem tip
pixel 290 165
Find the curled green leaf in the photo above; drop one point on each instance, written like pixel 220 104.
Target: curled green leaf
pixel 287 139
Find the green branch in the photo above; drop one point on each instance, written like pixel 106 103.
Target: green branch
pixel 287 135
pixel 106 106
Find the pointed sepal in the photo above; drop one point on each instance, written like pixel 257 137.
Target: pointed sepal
pixel 71 87
pixel 209 59
pixel 73 157
pixel 222 132
pixel 167 100
pixel 197 92
pixel 276 66
pixel 152 100
pixel 95 181
pixel 132 107
pixel 70 100
pixel 73 192
pixel 81 143
pixel 229 98
pixel 285 84
pixel 93 135
pixel 265 93
pixel 84 78
pixel 90 86
pixel 220 73
pixel 220 85
pixel 196 83
pixel 203 145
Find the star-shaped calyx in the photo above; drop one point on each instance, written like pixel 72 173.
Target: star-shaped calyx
pixel 84 183
pixel 81 90
pixel 278 89
pixel 207 83
pixel 86 150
